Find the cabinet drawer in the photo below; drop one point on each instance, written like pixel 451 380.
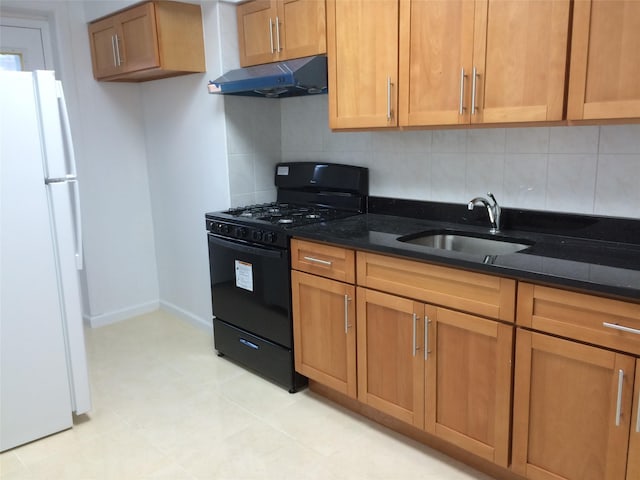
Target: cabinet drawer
pixel 324 260
pixel 600 321
pixel 477 293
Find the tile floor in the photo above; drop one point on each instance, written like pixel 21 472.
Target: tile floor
pixel 166 407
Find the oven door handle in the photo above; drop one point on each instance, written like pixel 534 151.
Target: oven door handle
pixel 246 248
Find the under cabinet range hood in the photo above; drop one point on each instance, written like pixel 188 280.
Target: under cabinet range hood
pixel 300 76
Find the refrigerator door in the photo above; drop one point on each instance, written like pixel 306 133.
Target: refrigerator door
pixel 35 398
pixel 62 186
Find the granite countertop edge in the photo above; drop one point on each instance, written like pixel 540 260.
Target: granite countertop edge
pixel 605 267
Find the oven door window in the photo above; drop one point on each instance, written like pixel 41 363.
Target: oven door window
pixel 250 288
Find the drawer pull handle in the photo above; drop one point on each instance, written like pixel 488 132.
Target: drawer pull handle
pixel 249 344
pixel 317 260
pixel 622 328
pixel 619 402
pixel 346 314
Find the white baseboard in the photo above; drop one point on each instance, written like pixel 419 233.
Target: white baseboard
pixel 103 319
pixel 186 315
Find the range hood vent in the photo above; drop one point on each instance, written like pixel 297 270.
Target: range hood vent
pixel 300 76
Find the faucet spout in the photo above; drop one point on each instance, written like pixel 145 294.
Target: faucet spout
pixel 493 209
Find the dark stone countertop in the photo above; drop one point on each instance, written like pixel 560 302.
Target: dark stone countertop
pixel 594 254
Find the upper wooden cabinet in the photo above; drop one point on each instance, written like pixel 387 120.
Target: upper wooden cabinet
pixel 148 41
pixel 488 61
pixel 605 60
pixel 273 30
pixel 428 62
pixel 362 51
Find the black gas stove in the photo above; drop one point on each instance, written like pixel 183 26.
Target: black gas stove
pixel 249 262
pixel 265 223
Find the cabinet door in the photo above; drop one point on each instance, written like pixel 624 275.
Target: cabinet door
pixel 633 467
pixel 256 32
pixel 436 48
pixel 324 331
pixel 468 382
pixel 302 28
pixel 572 409
pixel 362 49
pixel 605 63
pixel 390 355
pixel 102 37
pixel 520 53
pixel 139 43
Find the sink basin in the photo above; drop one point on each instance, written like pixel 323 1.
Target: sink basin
pixel 466 243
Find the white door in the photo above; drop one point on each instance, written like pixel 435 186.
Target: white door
pixel 25 45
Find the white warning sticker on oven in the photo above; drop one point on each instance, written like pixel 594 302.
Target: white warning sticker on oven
pixel 244 275
pixel 282 170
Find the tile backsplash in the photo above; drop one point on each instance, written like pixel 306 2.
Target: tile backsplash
pixel 590 169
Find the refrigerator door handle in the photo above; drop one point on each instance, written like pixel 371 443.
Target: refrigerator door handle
pixel 65 179
pixel 71 177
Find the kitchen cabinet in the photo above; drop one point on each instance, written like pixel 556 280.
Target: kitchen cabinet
pixel 274 30
pixel 605 65
pixel 488 61
pixel 428 62
pixel 468 384
pixel 362 61
pixel 324 318
pixel 565 410
pixel 459 387
pixel 148 41
pixel 576 404
pixel 390 359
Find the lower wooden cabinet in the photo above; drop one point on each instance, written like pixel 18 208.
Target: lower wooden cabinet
pixel 390 355
pixel 324 331
pixel 458 389
pixel 468 382
pixel 573 411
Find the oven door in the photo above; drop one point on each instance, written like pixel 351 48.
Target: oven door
pixel 250 288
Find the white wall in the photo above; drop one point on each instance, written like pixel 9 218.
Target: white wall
pixel 592 170
pixel 187 163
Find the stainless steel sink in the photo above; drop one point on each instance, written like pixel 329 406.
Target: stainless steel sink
pixel 466 243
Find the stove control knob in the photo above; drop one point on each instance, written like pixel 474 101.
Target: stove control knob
pixel 257 235
pixel 223 228
pixel 241 232
pixel 270 237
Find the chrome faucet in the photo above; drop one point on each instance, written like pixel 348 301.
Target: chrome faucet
pixel 494 210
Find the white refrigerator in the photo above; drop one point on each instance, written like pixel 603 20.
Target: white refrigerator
pixel 43 368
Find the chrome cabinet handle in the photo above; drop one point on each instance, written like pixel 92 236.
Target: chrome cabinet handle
pixel 271 34
pixel 415 319
pixel 120 62
pixel 462 77
pixel 278 34
pixel 622 328
pixel 619 401
pixel 346 314
pixel 113 49
pixel 426 336
pixel 118 50
pixel 474 75
pixel 388 99
pixel 317 260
